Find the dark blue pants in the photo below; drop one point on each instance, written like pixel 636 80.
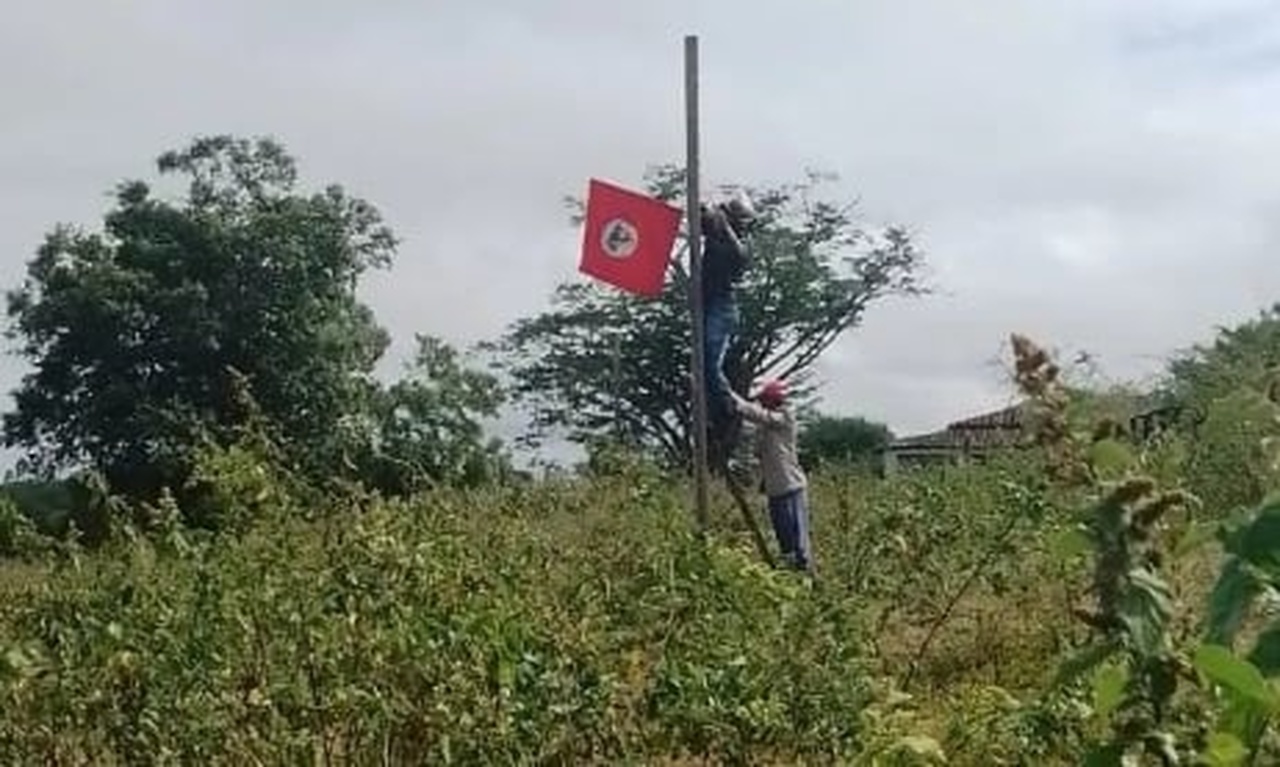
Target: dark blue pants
pixel 720 323
pixel 790 515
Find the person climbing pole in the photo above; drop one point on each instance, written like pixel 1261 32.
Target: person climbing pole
pixel 725 259
pixel 785 482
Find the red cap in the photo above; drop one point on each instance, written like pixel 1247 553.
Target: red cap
pixel 773 393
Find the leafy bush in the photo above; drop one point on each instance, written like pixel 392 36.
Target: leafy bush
pixel 566 623
pixel 18 534
pixel 1047 605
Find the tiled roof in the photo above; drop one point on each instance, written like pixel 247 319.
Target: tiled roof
pixel 993 429
pixel 943 439
pixel 1004 418
pixel 996 428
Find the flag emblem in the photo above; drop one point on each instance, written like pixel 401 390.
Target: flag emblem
pixel 620 238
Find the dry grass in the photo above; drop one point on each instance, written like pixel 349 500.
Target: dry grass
pixel 16 576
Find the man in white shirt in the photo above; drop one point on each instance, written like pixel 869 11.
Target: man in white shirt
pixel 785 482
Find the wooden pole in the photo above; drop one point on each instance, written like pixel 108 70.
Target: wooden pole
pixel 693 208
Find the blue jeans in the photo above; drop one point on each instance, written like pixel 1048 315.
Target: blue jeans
pixel 720 323
pixel 790 515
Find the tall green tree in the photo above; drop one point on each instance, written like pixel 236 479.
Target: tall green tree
pixel 1247 354
pixel 137 335
pixel 427 427
pixel 604 363
pixel 827 440
pixel 1227 391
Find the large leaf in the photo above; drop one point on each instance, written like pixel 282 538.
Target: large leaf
pixel 1236 675
pixel 1258 542
pixel 1265 655
pixel 1145 609
pixel 1244 719
pixel 1082 662
pixel 1229 602
pixel 1108 688
pixel 1224 749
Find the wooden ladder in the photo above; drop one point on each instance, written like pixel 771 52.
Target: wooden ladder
pixel 721 451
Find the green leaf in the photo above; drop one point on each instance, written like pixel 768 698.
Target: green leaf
pixel 1244 719
pixel 1229 602
pixel 1110 755
pixel 1265 655
pixel 1082 662
pixel 1236 675
pixel 1111 459
pixel 506 673
pixel 1069 544
pixel 1109 684
pixel 1258 542
pixel 1224 750
pixel 1145 609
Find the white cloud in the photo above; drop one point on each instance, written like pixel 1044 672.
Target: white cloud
pixel 1099 174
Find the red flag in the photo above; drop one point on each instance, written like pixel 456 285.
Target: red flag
pixel 627 238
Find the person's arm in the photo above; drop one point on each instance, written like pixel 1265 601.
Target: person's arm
pixel 713 226
pixel 730 236
pixel 757 414
pixel 715 222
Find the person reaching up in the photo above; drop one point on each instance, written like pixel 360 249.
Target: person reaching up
pixel 725 259
pixel 785 482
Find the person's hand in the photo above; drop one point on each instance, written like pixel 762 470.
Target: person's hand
pixel 732 402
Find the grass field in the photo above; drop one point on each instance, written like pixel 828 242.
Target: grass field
pixel 579 622
pixel 1067 605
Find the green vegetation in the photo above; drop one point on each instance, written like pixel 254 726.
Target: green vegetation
pixel 231 576
pixel 147 340
pixel 1060 602
pixel 848 442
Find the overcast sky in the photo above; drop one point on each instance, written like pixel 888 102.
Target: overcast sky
pixel 1100 174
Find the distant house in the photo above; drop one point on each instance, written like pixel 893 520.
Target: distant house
pixel 960 441
pixel 1152 415
pixel 979 436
